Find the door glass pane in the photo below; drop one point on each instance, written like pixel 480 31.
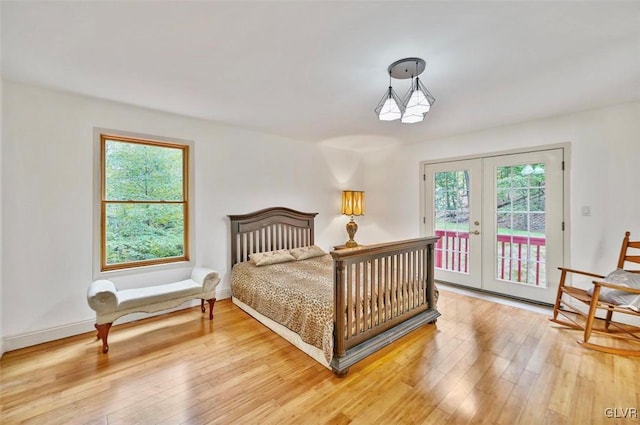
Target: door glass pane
pixel 520 224
pixel 451 220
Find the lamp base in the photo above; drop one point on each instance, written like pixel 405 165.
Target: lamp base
pixel 352 228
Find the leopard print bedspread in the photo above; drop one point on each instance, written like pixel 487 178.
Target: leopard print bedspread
pixel 298 295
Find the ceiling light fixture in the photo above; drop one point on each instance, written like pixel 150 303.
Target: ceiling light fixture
pixel 417 102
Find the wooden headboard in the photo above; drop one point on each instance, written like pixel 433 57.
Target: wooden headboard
pixel 268 230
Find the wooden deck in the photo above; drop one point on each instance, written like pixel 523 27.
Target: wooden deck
pixel 481 363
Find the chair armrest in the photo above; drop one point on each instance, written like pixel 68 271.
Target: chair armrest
pixel 102 297
pixel 617 287
pixel 581 272
pixel 208 278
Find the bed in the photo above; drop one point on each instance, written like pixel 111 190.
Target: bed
pixel 338 307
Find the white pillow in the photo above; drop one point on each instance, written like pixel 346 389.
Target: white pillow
pixel 271 257
pixel 618 297
pixel 305 252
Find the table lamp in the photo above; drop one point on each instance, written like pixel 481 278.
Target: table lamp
pixel 352 204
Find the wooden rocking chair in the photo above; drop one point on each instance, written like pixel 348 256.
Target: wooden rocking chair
pixel 575 318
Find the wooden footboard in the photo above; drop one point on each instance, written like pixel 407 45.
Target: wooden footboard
pixel 381 293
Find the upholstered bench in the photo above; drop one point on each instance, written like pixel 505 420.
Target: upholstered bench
pixel 110 303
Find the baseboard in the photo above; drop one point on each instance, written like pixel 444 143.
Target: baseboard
pixel 28 339
pixel 542 308
pixel 15 342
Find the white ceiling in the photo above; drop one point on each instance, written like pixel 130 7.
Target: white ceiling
pixel 316 70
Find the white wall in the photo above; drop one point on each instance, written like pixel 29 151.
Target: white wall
pixel 47 194
pixel 605 160
pixel 1 244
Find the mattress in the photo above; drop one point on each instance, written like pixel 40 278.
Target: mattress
pixel 297 295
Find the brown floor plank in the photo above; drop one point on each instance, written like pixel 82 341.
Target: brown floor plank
pixel 481 363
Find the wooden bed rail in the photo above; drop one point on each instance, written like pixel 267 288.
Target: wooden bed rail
pixel 381 292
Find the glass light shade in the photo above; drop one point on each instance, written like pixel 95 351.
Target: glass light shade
pixel 390 106
pixel 538 169
pixel 411 115
pixel 390 110
pixel 352 202
pixel 528 169
pixel 418 102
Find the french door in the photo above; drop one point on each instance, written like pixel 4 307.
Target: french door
pixel 500 222
pixel 454 210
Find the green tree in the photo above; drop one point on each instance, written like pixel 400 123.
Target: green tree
pixel 452 199
pixel 142 226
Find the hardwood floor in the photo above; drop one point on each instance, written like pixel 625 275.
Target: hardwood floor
pixel 483 363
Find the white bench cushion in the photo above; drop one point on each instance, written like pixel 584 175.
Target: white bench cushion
pixel 138 297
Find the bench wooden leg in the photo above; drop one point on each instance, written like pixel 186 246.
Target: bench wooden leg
pixel 103 334
pixel 211 302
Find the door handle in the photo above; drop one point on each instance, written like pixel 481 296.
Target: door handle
pixel 475 232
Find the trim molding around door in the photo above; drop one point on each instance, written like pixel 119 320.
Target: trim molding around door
pixel 566 146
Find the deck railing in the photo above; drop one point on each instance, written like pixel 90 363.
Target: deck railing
pixel 452 254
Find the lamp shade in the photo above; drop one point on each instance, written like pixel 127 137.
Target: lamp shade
pixel 418 101
pixel 411 116
pixel 389 108
pixel 526 170
pixel 352 202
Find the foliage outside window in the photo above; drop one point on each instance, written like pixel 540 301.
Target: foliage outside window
pixel 144 202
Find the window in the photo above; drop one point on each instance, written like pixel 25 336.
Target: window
pixel 144 206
